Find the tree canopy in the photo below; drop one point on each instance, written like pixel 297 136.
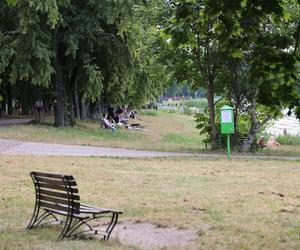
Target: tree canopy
pixel 93 51
pixel 240 48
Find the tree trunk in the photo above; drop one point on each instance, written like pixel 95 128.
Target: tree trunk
pixel 255 125
pixel 9 99
pixel 234 92
pixel 70 88
pixel 83 110
pixel 211 107
pixel 102 107
pixel 235 120
pixel 88 109
pixel 246 145
pixel 59 105
pixel 76 101
pixel 70 120
pixel 71 108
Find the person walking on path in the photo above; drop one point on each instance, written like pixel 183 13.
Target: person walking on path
pixel 39 105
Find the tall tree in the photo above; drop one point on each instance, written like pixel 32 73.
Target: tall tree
pixel 244 32
pixel 192 31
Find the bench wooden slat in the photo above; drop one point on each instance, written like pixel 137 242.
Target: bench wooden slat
pixel 60 195
pixel 55 181
pixel 57 207
pixel 50 175
pixel 85 207
pixel 56 187
pixel 58 201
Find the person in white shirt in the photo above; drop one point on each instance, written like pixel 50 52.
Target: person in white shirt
pixel 107 124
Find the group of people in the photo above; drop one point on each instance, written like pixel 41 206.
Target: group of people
pixel 119 117
pixel 272 143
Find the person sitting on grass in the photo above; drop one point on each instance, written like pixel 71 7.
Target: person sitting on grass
pixel 272 142
pixel 133 113
pixel 107 124
pixel 261 142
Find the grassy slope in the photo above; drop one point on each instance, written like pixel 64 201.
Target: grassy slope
pixel 168 132
pixel 232 204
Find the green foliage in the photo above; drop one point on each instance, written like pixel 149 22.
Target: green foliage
pixel 150 112
pixel 151 75
pixel 288 139
pixel 23 54
pixel 198 103
pixel 244 51
pixel 172 111
pixel 105 48
pixel 243 123
pixel 203 124
pixel 91 82
pixel 12 2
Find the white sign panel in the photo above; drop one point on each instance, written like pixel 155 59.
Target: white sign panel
pixel 226 116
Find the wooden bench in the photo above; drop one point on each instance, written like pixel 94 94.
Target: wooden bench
pixel 57 194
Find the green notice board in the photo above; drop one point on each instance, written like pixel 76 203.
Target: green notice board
pixel 227 124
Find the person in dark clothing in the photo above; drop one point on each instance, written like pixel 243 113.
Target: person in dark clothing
pixel 111 113
pixel 117 118
pixel 120 110
pixel 261 142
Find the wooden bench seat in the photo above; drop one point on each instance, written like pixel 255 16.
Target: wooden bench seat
pixel 57 194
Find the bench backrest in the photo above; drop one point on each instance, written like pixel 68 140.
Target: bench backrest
pixel 56 192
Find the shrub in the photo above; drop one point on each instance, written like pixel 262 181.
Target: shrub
pixel 152 112
pixel 198 103
pixel 288 139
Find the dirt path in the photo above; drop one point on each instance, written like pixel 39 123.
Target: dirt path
pixel 15 147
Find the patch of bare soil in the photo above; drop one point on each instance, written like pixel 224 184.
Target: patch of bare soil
pixel 149 236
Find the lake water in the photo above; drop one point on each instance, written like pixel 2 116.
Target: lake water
pixel 290 123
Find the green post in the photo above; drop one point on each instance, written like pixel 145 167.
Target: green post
pixel 227 125
pixel 228 146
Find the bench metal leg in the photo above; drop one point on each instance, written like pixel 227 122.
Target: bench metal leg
pixel 111 226
pixel 77 223
pixel 37 218
pixel 66 228
pixel 41 218
pixel 34 216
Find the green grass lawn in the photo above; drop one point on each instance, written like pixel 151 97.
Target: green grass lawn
pixel 198 103
pixel 245 204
